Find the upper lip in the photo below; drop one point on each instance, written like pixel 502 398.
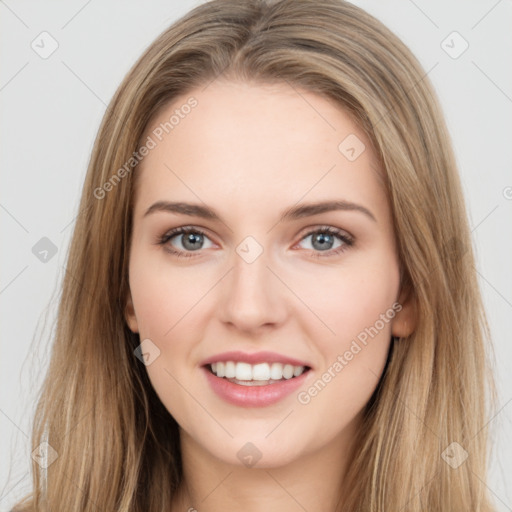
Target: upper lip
pixel 254 358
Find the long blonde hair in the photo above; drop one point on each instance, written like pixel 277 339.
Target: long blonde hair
pixel 118 447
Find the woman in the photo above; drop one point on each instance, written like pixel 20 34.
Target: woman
pixel 270 299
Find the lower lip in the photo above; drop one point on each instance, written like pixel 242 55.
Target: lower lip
pixel 253 396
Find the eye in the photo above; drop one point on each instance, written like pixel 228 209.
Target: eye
pixel 324 239
pixel 189 239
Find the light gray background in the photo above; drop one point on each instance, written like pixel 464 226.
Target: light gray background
pixel 51 110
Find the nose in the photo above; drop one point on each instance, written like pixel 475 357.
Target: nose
pixel 252 296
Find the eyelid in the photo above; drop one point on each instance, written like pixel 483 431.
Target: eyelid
pixel 325 227
pixel 183 230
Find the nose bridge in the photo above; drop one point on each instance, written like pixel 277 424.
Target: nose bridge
pixel 250 274
pixel 252 297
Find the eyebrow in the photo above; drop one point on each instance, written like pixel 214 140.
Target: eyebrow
pixel 293 213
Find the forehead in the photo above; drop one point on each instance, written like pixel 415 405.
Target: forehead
pixel 252 142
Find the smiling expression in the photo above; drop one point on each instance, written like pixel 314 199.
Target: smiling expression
pixel 260 243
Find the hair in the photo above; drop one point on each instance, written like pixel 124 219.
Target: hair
pixel 118 447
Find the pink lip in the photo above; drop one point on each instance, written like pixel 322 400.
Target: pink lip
pixel 257 357
pixel 253 396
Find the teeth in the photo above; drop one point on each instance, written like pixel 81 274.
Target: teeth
pixel 220 369
pixel 229 369
pixel 276 371
pixel 243 370
pixel 259 372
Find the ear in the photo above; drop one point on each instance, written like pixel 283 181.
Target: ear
pixel 129 314
pixel 405 320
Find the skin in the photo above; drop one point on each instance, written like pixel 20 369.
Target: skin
pixel 249 151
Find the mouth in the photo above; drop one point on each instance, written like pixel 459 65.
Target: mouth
pixel 261 374
pixel 255 385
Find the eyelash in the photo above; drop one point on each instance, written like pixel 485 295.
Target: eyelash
pixel 347 240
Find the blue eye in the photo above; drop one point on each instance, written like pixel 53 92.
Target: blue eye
pixel 192 240
pixel 324 238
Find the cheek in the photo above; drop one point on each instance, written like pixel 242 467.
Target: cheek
pixel 165 301
pixel 359 306
pixel 355 306
pixel 162 295
pixel 348 301
pixel 359 310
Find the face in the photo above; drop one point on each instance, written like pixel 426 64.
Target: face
pixel 285 279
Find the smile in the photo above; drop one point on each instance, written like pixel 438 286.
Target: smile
pixel 260 374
